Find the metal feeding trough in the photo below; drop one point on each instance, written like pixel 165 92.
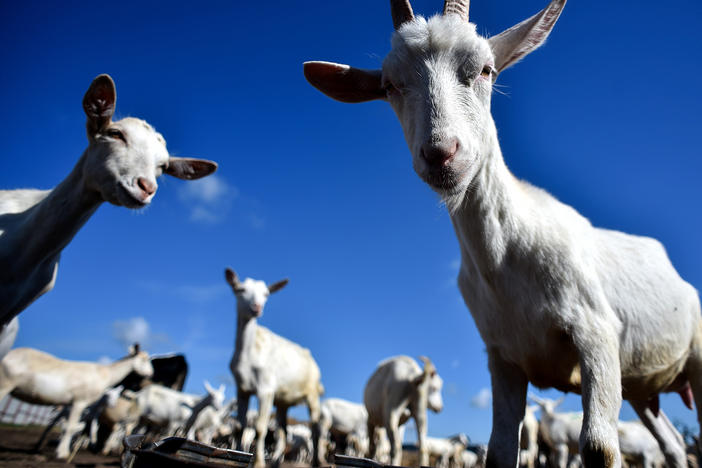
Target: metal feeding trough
pixel 342 461
pixel 176 452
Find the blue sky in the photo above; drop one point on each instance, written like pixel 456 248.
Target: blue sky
pixel 605 116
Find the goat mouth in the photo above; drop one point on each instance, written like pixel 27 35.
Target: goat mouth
pixel 442 179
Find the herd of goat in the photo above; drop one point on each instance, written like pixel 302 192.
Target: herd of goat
pixel 559 303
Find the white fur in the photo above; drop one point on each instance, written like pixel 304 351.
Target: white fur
pixel 558 302
pixel 397 390
pixel 170 409
pixel 528 439
pixel 267 365
pixel 37 377
pixel 638 446
pixel 299 445
pixel 559 431
pixel 346 419
pixel 211 423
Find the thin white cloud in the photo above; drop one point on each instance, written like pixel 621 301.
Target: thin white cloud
pixel 209 198
pixel 137 330
pixel 134 330
pixel 482 399
pixel 207 190
pixel 202 214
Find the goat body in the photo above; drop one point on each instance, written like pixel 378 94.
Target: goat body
pixel 40 378
pixel 397 390
pixel 345 421
pixel 276 370
pixel 558 302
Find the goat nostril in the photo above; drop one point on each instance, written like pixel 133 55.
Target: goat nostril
pixel 148 187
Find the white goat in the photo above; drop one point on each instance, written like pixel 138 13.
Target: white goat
pixel 299 444
pixel 88 419
pixel 274 369
pixel 170 409
pixel 559 431
pixel 399 384
pixel 638 445
pixel 120 166
pixel 210 423
pixel 383 449
pixel 119 421
pixel 343 421
pixel 529 439
pixel 443 452
pixel 557 302
pixel 40 378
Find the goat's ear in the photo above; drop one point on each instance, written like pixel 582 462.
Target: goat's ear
pixel 99 103
pixel 344 83
pixel 134 349
pixel 232 279
pixel 278 285
pixel 189 168
pixel 516 42
pixel 208 387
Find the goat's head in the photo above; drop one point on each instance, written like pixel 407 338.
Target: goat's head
pixel 438 78
pixel 217 395
pixel 547 406
pixel 251 295
pixel 430 384
pixel 126 157
pixel 141 362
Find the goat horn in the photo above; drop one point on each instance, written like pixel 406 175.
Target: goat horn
pixel 428 365
pixel 401 12
pixel 457 7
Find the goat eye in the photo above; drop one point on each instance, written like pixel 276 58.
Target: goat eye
pixel 487 71
pixel 114 133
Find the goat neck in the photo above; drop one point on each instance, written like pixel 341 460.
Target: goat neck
pixel 486 218
pixel 245 334
pixel 52 223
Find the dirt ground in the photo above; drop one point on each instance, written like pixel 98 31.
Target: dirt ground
pixel 16 451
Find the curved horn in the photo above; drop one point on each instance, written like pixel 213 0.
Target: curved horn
pixel 457 7
pixel 428 365
pixel 401 12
